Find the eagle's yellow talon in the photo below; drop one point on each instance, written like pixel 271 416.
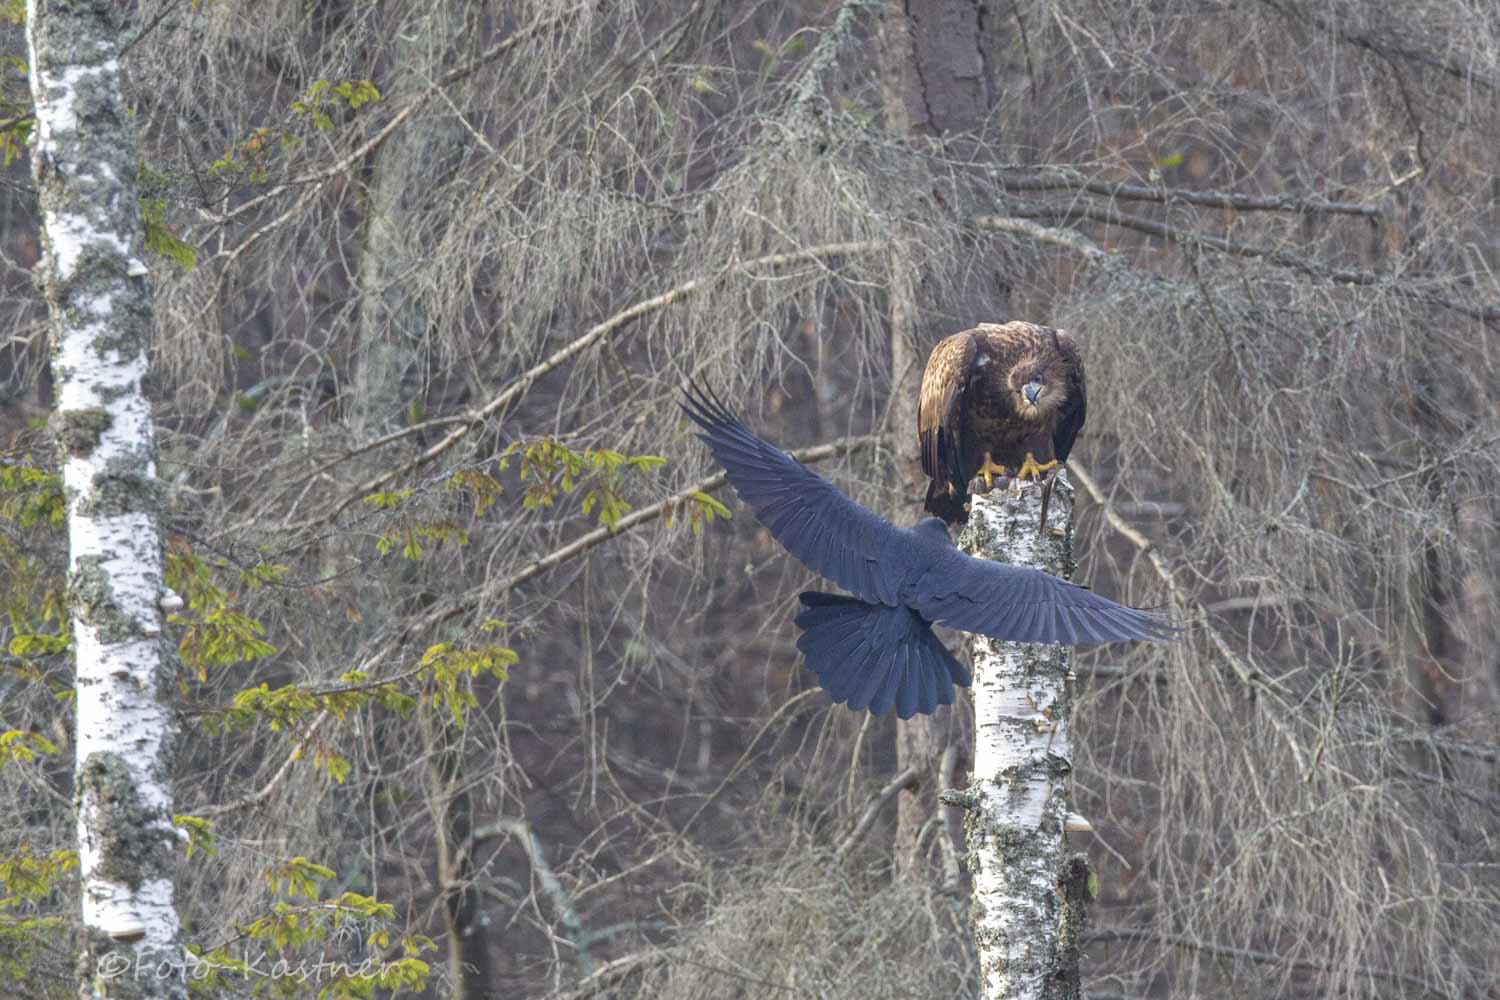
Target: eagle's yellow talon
pixel 1032 469
pixel 989 470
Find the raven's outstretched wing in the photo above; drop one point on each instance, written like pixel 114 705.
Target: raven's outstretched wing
pixel 829 533
pixel 1020 604
pixel 872 558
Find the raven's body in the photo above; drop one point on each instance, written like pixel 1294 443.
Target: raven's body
pixel 997 400
pixel 876 650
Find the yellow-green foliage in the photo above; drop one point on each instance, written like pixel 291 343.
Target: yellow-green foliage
pixel 550 469
pixel 701 510
pixel 440 680
pixel 214 633
pixel 199 833
pixel 294 939
pixel 154 189
pixel 450 667
pixel 21 747
pixel 33 507
pixel 27 880
pixel 251 159
pixel 324 96
pixel 16 120
pixel 30 496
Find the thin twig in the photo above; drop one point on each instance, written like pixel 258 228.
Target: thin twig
pixel 264 792
pixel 1145 934
pixel 908 778
pixel 416 104
pixel 1311 204
pixel 607 975
pixel 1282 258
pixel 1247 674
pixel 562 903
pixel 518 388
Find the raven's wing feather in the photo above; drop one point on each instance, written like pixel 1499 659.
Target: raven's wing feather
pixel 829 533
pixel 870 557
pixel 1019 604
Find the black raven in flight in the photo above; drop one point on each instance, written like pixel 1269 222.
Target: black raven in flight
pixel 876 650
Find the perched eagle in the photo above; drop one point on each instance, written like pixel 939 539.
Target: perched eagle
pixel 997 400
pixel 877 650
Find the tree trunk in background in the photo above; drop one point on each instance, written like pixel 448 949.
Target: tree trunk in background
pixel 390 381
pixel 920 739
pixel 84 161
pixel 1027 895
pixel 393 320
pixel 469 973
pixel 933 80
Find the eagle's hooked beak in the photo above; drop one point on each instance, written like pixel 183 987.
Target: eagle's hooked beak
pixel 1032 390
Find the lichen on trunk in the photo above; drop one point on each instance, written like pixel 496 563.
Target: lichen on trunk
pixel 84 161
pixel 1017 797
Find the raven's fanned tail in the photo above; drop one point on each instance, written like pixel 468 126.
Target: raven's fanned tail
pixel 875 656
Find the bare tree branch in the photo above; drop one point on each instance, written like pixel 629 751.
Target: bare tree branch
pixel 619 321
pixel 1384 47
pixel 908 778
pixel 1411 288
pixel 1072 181
pixel 1144 934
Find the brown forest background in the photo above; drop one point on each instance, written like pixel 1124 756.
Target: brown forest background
pixel 1271 224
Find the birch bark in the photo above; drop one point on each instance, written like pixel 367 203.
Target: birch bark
pixel 84 161
pixel 1027 911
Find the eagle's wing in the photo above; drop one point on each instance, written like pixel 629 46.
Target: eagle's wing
pixel 940 408
pixel 1070 421
pixel 1019 604
pixel 829 533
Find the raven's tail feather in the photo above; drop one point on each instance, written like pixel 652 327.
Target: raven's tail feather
pixel 875 656
pixel 947 503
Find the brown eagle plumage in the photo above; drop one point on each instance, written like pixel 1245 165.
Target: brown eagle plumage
pixel 997 400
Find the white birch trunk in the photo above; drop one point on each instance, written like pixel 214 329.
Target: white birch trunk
pixel 84 163
pixel 1017 798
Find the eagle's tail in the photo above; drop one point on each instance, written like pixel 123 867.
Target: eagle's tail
pixel 875 656
pixel 947 502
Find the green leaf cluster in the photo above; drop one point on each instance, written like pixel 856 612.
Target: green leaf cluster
pixel 16 118
pixel 18 746
pixel 296 934
pixel 26 880
pixel 32 505
pixel 449 668
pixel 215 634
pixel 30 497
pixel 410 529
pixel 250 160
pixel 199 833
pixel 702 509
pixel 323 97
pixel 550 469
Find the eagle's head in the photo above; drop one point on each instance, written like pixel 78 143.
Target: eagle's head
pixel 1039 386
